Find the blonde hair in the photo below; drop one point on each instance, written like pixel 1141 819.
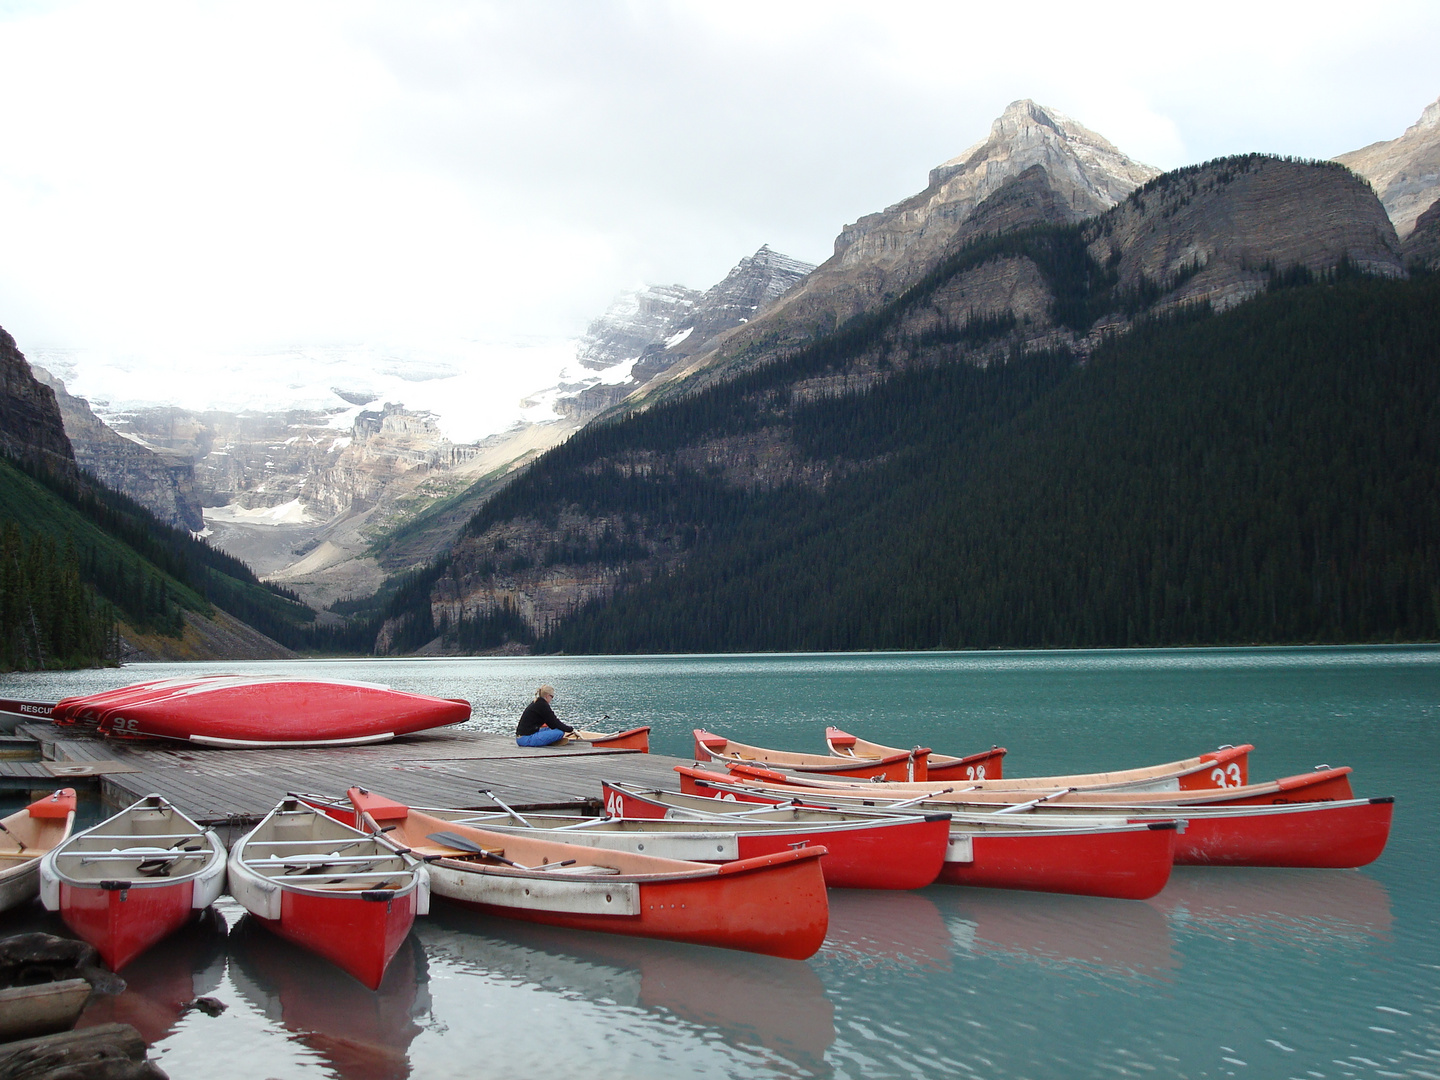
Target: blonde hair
pixel 545 691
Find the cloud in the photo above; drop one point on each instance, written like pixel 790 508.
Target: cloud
pixel 255 176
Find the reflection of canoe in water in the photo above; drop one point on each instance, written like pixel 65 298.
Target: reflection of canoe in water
pixel 1290 906
pixel 905 929
pixel 162 981
pixel 746 999
pixel 1077 932
pixel 363 1035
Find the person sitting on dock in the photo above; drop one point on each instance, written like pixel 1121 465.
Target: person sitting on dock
pixel 539 726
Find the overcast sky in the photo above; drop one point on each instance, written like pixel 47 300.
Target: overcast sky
pixel 218 176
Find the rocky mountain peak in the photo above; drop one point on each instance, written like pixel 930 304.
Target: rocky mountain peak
pixel 1405 172
pixel 655 327
pixel 636 318
pixel 1087 173
pixel 30 425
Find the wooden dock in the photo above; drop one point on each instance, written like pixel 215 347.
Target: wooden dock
pixel 233 789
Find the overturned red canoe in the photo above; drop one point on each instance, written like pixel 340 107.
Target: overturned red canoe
pixel 236 711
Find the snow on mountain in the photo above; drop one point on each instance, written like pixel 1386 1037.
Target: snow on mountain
pixel 474 389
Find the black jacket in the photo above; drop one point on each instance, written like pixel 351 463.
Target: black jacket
pixel 538 714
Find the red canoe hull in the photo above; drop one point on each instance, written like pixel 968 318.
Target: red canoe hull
pixel 357 935
pixel 278 712
pixel 1334 832
pixel 902 766
pixel 123 923
pixel 634 739
pixel 900 854
pixel 1123 865
pixel 1315 835
pixel 986 765
pixel 779 910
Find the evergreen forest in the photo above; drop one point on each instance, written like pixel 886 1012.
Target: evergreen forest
pixel 1265 475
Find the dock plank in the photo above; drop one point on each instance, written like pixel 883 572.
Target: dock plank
pixel 236 787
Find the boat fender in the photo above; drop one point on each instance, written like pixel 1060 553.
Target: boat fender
pixel 210 882
pixel 49 883
pixel 422 890
pixel 257 895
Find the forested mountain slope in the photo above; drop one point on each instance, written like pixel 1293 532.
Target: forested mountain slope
pixel 783 456
pixel 1266 475
pixel 1263 475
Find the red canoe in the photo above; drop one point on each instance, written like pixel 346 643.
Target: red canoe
pixel 334 890
pixel 134 879
pixel 1334 833
pixel 1114 858
pixel 25 836
pixel 863 850
pixel 1315 786
pixel 901 765
pixel 86 708
pixel 631 739
pixel 986 765
pixel 774 904
pixel 238 711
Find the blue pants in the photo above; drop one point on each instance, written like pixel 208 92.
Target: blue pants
pixel 544 737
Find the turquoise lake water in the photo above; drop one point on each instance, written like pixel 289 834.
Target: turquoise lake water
pixel 1258 973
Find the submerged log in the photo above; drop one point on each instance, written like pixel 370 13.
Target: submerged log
pixel 27 1011
pixel 106 1052
pixel 31 959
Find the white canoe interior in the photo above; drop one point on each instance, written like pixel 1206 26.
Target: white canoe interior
pixel 150 843
pixel 297 848
pixel 24 839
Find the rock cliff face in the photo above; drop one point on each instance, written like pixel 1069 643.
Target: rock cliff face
pixel 1422 247
pixel 1210 233
pixel 162 483
pixel 1213 232
pixel 31 428
pixel 1405 172
pixel 658 327
pixel 1037 166
pixel 1086 174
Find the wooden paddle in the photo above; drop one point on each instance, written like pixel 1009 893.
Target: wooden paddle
pixel 455 840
